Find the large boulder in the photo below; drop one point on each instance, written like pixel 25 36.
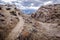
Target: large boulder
pixel 9 18
pixel 48 13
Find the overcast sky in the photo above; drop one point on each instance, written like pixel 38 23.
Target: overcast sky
pixel 30 6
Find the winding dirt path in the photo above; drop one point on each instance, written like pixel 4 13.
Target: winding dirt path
pixel 16 31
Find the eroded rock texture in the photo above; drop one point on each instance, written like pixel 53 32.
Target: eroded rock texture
pixel 44 24
pixel 9 17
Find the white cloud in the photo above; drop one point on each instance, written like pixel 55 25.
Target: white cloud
pixel 36 0
pixel 8 0
pixel 48 2
pixel 31 7
pixel 32 4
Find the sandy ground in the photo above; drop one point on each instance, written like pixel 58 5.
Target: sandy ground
pixel 17 30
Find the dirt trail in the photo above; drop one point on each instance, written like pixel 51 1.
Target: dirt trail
pixel 16 31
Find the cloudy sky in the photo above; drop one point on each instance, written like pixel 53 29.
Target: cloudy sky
pixel 30 6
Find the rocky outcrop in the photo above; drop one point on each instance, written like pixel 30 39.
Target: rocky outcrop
pixel 44 24
pixel 48 14
pixel 9 22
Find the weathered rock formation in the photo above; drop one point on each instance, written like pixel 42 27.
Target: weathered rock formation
pixel 44 24
pixel 10 22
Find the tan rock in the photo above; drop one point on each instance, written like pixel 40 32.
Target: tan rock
pixel 42 25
